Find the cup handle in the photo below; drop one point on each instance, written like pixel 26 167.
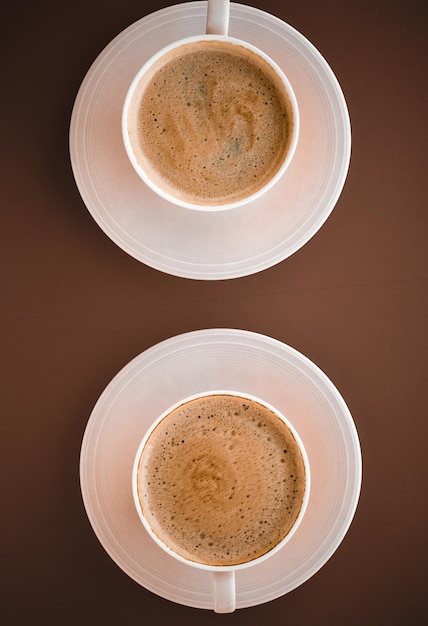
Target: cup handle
pixel 218 17
pixel 224 592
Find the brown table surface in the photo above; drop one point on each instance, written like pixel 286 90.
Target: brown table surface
pixel 75 309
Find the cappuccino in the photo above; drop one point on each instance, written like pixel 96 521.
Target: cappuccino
pixel 210 122
pixel 221 480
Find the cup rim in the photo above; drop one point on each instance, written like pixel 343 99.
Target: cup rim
pixel 217 207
pixel 274 549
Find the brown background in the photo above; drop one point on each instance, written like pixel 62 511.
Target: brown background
pixel 75 309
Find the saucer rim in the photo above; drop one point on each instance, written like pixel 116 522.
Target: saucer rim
pixel 250 591
pixel 216 268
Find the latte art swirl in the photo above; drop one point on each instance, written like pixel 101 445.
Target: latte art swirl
pixel 221 480
pixel 212 122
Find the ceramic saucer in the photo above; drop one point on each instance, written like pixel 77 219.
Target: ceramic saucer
pixel 206 245
pixel 197 362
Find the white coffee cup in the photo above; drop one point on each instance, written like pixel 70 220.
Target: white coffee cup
pixel 224 592
pixel 216 30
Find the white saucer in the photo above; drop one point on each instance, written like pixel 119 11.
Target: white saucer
pixel 206 245
pixel 203 361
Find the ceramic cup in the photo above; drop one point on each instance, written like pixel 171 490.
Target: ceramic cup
pixel 281 143
pixel 201 479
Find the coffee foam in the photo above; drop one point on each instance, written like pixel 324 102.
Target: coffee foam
pixel 211 122
pixel 221 480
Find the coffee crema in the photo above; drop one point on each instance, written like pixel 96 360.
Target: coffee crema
pixel 210 122
pixel 221 480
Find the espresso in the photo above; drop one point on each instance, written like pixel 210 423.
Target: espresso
pixel 221 480
pixel 211 123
